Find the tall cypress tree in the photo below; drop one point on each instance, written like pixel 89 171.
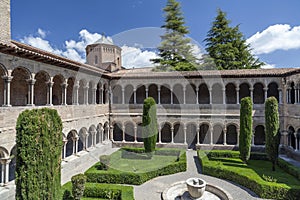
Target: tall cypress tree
pixel 272 130
pixel 175 50
pixel 227 46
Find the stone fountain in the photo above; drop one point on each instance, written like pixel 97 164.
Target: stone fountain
pixel 195 189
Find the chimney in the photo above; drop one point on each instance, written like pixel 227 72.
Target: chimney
pixel 5 36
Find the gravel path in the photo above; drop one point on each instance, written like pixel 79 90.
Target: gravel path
pixel 153 188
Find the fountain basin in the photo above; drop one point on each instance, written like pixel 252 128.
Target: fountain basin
pixel 196 187
pixel 179 191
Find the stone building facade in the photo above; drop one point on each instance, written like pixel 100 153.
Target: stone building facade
pixel 100 102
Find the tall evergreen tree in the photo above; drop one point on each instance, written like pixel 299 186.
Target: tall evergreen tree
pixel 227 46
pixel 175 50
pixel 272 130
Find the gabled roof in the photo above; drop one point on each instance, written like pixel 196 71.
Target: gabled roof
pixel 104 40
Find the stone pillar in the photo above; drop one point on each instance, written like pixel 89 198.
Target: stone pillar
pixel 288 96
pixel 184 92
pixel 75 94
pixel 211 135
pixel 7 171
pixel 93 138
pixel 147 92
pixel 100 96
pixel 94 90
pixel 123 133
pixel 65 141
pixel 253 135
pixel 251 93
pixel 2 163
pixel 197 94
pixel 75 145
pixel 158 93
pixel 31 83
pixel 159 134
pixel 134 95
pixel 64 87
pixel 86 95
pixel 280 96
pixel 225 135
pixel 135 133
pixel 210 95
pixel 49 93
pixel 266 93
pixel 184 134
pixel 172 134
pixel 198 134
pixel 111 132
pixel 295 91
pixel 238 136
pixel 123 95
pixel 237 89
pixel 171 91
pixel 6 100
pixel 224 95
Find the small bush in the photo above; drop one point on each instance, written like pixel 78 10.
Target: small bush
pixel 78 182
pixel 104 162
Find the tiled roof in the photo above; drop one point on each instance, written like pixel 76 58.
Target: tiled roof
pixel 29 52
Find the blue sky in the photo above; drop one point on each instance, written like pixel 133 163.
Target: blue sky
pixel 272 27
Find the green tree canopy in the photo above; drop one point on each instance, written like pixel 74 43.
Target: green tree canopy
pixel 175 50
pixel 227 46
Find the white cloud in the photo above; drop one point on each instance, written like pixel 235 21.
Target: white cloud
pixel 276 37
pixel 268 66
pixel 135 57
pixel 196 51
pixel 42 33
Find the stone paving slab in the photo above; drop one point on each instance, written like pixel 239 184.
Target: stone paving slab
pixel 153 188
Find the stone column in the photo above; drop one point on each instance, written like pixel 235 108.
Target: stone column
pixel 211 135
pixel 31 83
pixel 224 95
pixel 93 138
pixel 100 96
pixel 134 95
pixel 75 145
pixel 266 93
pixel 123 95
pixel 280 96
pixel 123 133
pixel 7 80
pixel 65 141
pixel 184 92
pixel 225 135
pixel 172 134
pixel 86 95
pixel 7 171
pixel 238 136
pixel 135 133
pixel 197 94
pixel 158 93
pixel 198 134
pixel 64 87
pixel 288 96
pixel 147 92
pixel 111 132
pixel 295 91
pixel 75 94
pixel 237 89
pixel 94 90
pixel 49 93
pixel 159 134
pixel 251 93
pixel 253 135
pixel 2 181
pixel 210 95
pixel 184 133
pixel 171 91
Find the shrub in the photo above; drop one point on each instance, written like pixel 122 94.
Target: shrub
pixel 150 129
pixel 245 128
pixel 272 130
pixel 38 158
pixel 78 182
pixel 104 162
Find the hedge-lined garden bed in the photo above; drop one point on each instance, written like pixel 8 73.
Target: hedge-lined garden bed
pixel 135 169
pixel 257 175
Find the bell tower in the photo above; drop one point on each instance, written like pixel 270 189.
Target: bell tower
pixel 104 54
pixel 5 31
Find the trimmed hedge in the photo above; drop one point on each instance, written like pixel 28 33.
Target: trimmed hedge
pixel 289 168
pixel 38 158
pixel 262 188
pixel 120 177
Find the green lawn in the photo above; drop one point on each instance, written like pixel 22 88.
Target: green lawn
pixel 136 165
pixel 257 175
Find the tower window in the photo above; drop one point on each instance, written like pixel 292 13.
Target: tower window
pixel 96 59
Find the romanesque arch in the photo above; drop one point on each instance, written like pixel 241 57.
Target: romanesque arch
pixel 244 91
pixel 4 155
pixel 82 142
pixel 178 133
pixel 258 93
pixel 57 90
pixel 153 92
pixel 259 135
pixel 140 94
pixel 218 134
pixel 191 135
pixel 190 94
pixel 91 136
pixel 273 90
pixel 165 94
pixel 70 87
pixel 217 94
pixel 2 73
pixel 99 133
pixel 291 137
pixel 129 95
pixel 178 94
pixel 71 143
pixel 41 88
pixel 231 135
pixel 117 132
pixel 166 133
pixel 117 94
pixel 129 132
pixel 12 164
pixel 230 93
pixel 203 94
pixel 204 136
pixel 106 131
pixel 19 87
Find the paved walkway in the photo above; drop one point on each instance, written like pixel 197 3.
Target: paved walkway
pixel 290 160
pixel 153 188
